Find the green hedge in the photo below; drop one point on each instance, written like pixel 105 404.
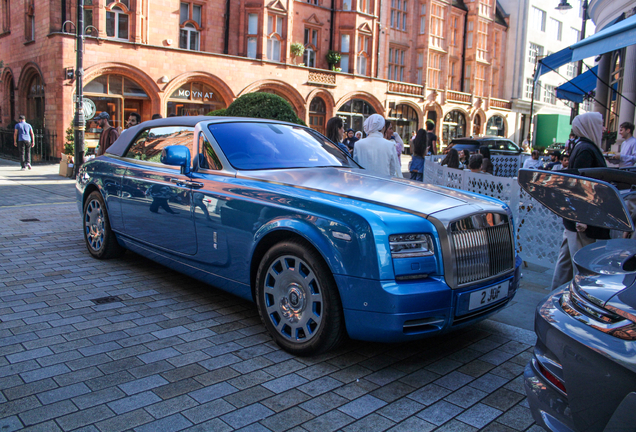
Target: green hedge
pixel 261 105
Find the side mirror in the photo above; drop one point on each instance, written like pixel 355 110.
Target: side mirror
pixel 580 199
pixel 177 155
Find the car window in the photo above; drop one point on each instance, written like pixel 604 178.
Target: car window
pixel 207 156
pixel 511 146
pixel 460 147
pixel 254 146
pixel 150 142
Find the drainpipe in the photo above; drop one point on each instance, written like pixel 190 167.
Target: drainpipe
pixel 226 48
pixel 333 30
pixel 461 78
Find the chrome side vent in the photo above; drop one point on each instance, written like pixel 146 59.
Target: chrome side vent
pixel 482 247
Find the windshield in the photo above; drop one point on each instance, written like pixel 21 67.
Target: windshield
pixel 256 146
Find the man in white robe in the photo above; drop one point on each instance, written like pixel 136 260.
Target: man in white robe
pixel 375 153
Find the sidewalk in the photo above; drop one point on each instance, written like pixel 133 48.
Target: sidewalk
pixel 130 345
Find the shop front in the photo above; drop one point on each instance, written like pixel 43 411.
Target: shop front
pixel 193 99
pixel 354 112
pixel 118 96
pixel 405 120
pixel 453 126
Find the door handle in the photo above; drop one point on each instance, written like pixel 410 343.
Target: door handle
pixel 186 183
pixel 194 185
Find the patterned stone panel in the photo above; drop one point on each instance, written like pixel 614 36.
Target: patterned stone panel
pixel 454 178
pixel 486 184
pixel 505 166
pixel 539 231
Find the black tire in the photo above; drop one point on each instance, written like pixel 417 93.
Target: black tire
pixel 99 237
pixel 298 300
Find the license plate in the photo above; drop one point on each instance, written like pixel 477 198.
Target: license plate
pixel 489 295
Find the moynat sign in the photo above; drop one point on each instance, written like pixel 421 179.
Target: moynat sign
pixel 194 94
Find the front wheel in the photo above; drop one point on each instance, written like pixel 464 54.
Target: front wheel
pixel 99 237
pixel 298 300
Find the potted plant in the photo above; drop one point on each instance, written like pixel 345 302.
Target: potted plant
pixel 66 162
pixel 333 57
pixel 297 50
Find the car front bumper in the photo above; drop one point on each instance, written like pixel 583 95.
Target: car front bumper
pixel 401 311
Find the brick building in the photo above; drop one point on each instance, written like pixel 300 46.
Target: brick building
pixel 409 60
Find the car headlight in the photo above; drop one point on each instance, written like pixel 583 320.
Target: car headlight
pixel 411 245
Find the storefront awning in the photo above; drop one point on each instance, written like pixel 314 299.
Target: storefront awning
pixel 612 38
pixel 576 89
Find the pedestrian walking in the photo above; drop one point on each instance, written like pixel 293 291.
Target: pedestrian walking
pixel 24 139
pixel 109 134
pixel 418 151
pixel 588 129
pixel 431 137
pixel 375 153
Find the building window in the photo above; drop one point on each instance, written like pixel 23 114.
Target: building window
pixel 484 7
pixel 571 68
pixel 190 23
pixel 117 21
pixel 317 114
pixel 469 35
pixel 434 70
pixel 29 21
pixel 467 75
pixel 555 29
pixel 480 79
pixel 365 6
pixel 312 2
pixel 420 66
pixel 89 27
pixel 344 52
pixel 274 37
pixel 549 94
pixel 396 64
pixel 194 98
pixel 537 89
pixel 482 40
pixel 453 126
pixel 451 76
pixel 354 112
pixel 422 18
pixel 575 35
pixel 398 14
pixel 346 5
pixel 437 26
pixel 311 47
pixel 534 51
pixel 363 54
pixel 454 32
pixel 538 19
pixel 252 34
pixel 6 16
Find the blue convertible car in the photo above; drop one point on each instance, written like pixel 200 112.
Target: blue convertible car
pixel 276 213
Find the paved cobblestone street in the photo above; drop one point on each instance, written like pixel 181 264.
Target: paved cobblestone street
pixel 168 353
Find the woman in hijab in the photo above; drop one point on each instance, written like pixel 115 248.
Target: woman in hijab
pixel 375 153
pixel 391 135
pixel 418 148
pixel 588 129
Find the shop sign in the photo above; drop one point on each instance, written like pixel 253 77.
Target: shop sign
pixel 89 108
pixel 193 95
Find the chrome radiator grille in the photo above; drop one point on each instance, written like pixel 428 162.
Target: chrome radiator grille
pixel 482 247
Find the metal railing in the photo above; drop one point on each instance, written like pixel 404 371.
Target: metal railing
pixel 45 142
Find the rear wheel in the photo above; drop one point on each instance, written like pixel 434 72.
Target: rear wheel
pixel 298 300
pixel 100 239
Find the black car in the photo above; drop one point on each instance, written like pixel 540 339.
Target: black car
pixel 496 145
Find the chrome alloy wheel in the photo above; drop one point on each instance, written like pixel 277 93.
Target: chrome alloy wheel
pixel 293 299
pixel 94 225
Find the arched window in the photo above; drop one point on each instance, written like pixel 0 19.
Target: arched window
pixel 189 38
pixel 363 54
pixel 273 48
pixel 354 112
pixel 496 126
pixel 190 26
pixel 274 37
pixel 453 126
pixel 117 21
pixel 405 121
pixel 317 113
pixel 477 125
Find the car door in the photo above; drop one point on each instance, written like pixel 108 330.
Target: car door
pixel 156 198
pixel 208 203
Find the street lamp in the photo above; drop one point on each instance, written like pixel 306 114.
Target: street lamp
pixel 563 7
pixel 79 124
